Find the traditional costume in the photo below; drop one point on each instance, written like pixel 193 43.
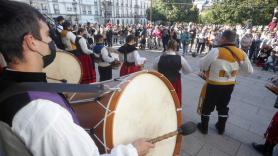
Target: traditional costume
pixel 170 64
pixel 104 65
pixel 68 39
pixel 131 59
pixel 221 67
pixel 87 63
pixel 45 121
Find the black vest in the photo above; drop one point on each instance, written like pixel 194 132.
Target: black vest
pixel 169 66
pixel 78 50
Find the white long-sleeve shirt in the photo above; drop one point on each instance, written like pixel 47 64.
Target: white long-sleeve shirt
pixel 185 67
pixel 68 40
pixel 47 129
pixel 213 64
pixel 106 58
pixel 83 44
pixel 2 61
pixel 133 57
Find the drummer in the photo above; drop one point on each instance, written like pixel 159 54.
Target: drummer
pixel 37 118
pixel 83 54
pixel 132 62
pixel 106 59
pixel 172 65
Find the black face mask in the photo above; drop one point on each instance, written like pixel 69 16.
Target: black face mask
pixel 48 59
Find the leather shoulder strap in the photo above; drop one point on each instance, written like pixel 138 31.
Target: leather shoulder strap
pixel 233 54
pixel 19 88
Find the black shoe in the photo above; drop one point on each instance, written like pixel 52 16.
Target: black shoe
pixel 220 132
pixel 260 148
pixel 201 129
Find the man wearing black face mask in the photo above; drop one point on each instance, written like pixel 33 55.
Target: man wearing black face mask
pixel 43 121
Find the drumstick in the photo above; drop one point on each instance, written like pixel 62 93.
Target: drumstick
pixel 61 80
pixel 185 129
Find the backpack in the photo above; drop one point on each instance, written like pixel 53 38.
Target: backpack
pixel 10 143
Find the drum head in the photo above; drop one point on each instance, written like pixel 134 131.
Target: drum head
pixel 65 66
pixel 145 108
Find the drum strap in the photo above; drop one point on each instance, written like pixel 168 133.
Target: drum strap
pixel 19 88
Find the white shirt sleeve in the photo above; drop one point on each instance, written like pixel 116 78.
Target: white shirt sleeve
pixel 155 63
pixel 186 68
pixel 60 28
pixel 48 129
pixel 246 67
pixel 84 47
pixel 138 60
pixel 71 36
pixel 2 61
pixel 105 56
pixel 206 61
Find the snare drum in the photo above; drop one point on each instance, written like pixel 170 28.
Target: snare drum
pixel 65 67
pixel 142 105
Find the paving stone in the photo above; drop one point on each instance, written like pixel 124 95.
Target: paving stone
pixel 192 145
pixel 208 150
pixel 247 150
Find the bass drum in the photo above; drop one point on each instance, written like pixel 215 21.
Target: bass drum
pixel 142 105
pixel 65 68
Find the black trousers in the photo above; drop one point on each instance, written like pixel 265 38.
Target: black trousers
pixel 105 73
pixel 200 47
pixel 217 96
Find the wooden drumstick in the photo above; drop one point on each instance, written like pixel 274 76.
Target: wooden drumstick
pixel 60 80
pixel 185 129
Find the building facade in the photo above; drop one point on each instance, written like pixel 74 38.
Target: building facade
pixel 94 11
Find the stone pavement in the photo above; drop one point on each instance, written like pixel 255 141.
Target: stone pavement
pixel 251 109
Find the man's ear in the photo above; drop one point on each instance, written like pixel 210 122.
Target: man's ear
pixel 29 42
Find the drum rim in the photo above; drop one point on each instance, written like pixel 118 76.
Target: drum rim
pixel 108 124
pixel 81 70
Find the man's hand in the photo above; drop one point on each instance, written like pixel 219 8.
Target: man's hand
pixel 142 146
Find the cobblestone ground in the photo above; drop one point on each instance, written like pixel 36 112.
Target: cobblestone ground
pixel 251 109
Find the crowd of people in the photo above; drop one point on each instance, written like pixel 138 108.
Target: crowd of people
pixel 259 42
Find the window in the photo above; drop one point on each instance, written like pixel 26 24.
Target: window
pixel 69 8
pixel 44 6
pixel 84 9
pixel 56 8
pixel 89 10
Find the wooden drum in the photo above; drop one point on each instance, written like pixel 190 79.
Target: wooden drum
pixel 65 67
pixel 142 105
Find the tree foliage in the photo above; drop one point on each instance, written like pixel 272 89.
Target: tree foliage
pixel 169 10
pixel 259 12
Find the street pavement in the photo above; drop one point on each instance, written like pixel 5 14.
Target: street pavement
pixel 251 110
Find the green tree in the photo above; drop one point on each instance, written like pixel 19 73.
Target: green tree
pixel 174 11
pixel 259 12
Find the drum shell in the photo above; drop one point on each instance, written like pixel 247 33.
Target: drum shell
pixel 91 113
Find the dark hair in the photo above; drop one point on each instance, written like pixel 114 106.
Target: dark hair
pixel 17 20
pixel 98 38
pixel 229 35
pixel 66 25
pixel 172 44
pixel 80 30
pixel 60 18
pixel 129 38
